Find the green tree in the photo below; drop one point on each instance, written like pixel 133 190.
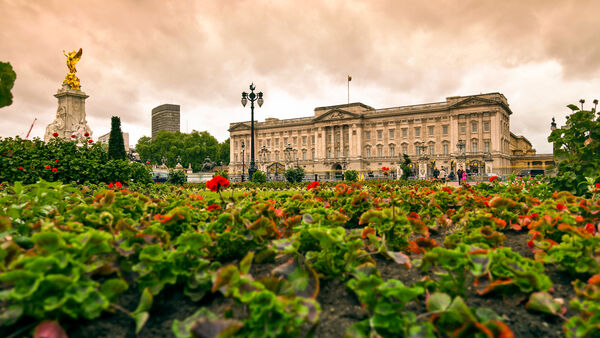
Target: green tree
pixel 576 149
pixel 116 147
pixel 259 177
pixel 405 167
pixel 351 175
pixel 7 81
pixel 294 174
pixel 192 148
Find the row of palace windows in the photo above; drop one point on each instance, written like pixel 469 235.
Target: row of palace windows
pixel 430 130
pixel 430 149
pixel 391 151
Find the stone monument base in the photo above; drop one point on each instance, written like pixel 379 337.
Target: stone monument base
pixel 70 116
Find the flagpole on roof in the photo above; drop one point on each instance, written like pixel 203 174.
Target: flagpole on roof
pixel 349 79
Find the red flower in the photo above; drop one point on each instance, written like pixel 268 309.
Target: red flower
pixel 213 207
pixel 493 178
pixel 217 183
pixel 118 185
pixel 148 162
pixel 448 190
pixel 73 136
pixel 385 168
pixel 48 167
pixel 86 134
pixel 597 186
pixel 20 167
pixel 313 185
pixel 110 185
pixel 90 141
pixel 590 228
pixel 56 161
pixel 55 134
pixel 560 207
pixel 54 170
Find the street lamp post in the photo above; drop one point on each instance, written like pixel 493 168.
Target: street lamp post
pixel 243 159
pixel 288 153
pixel 258 97
pixel 461 151
pixel 263 152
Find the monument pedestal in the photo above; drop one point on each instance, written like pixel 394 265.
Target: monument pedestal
pixel 70 115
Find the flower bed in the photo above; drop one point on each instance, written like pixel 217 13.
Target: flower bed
pixel 384 258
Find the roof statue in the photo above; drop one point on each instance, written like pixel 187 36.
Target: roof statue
pixel 72 58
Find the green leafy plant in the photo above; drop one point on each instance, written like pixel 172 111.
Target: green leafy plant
pixel 259 177
pixel 116 147
pixel 294 174
pixel 351 175
pixel 176 177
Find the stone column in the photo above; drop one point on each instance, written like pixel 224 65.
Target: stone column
pixel 70 115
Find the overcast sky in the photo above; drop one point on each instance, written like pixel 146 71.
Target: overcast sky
pixel 542 55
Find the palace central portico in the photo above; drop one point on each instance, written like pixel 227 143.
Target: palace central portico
pixel 469 132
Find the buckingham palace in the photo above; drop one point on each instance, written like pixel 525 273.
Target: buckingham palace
pixel 468 132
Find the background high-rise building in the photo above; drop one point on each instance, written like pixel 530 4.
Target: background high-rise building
pixel 165 117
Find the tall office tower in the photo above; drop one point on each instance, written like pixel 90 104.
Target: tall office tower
pixel 165 117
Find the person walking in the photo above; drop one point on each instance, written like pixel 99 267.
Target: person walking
pixel 464 177
pixel 459 175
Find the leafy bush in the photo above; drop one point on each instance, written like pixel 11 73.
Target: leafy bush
pixel 259 177
pixel 405 168
pixel 116 147
pixel 176 177
pixel 351 175
pixel 28 161
pixel 576 149
pixel 294 174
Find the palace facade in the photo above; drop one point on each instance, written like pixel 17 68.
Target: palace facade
pixel 468 132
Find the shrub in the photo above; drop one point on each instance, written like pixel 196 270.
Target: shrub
pixel 176 177
pixel 576 149
pixel 28 161
pixel 351 175
pixel 116 146
pixel 294 175
pixel 259 177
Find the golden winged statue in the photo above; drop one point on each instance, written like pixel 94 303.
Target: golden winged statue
pixel 72 59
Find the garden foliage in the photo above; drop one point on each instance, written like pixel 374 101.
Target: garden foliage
pixel 28 161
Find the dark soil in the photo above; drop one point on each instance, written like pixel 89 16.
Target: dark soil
pixel 339 306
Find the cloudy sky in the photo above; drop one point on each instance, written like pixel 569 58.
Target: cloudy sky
pixel 542 55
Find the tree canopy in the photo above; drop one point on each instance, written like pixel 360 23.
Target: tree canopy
pixel 7 81
pixel 191 148
pixel 116 147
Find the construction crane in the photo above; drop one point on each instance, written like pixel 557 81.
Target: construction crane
pixel 29 132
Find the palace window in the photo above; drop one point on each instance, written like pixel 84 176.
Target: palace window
pixel 474 127
pixel 379 151
pixel 313 139
pixel 268 142
pixel 391 134
pixel 431 149
pixel 277 156
pixel 285 141
pixel 404 132
pixel 474 146
pixel 463 128
pixel 338 153
pixel 303 155
pixel 367 135
pixel 417 131
pixel 486 126
pixel 367 152
pixel 347 151
pixel 295 140
pixel 445 146
pixel 404 149
pixel 445 129
pixel 303 140
pixel 312 154
pixel 486 146
pixel 392 150
pixel 380 134
pixel 269 157
pixel 430 130
pixel 417 150
pixel 277 142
